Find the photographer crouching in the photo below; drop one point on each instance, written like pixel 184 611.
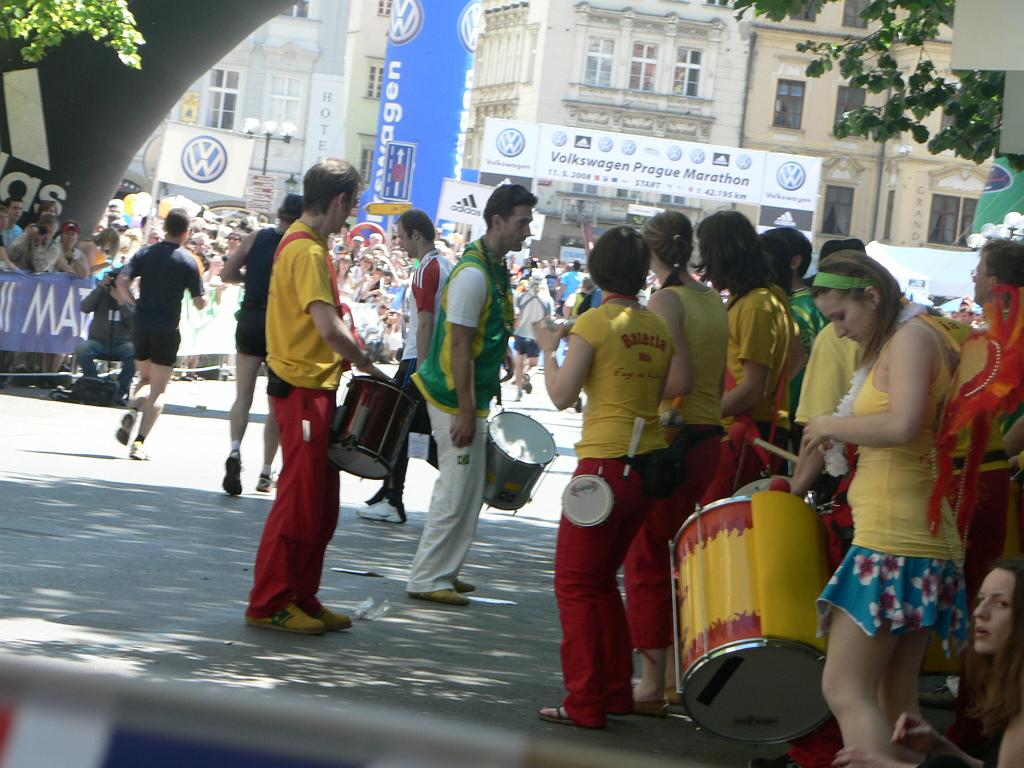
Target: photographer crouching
pixel 110 334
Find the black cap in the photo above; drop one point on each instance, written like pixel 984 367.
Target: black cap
pixel 834 246
pixel 291 206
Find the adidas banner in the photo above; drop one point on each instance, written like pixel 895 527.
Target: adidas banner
pixel 463 202
pixel 205 158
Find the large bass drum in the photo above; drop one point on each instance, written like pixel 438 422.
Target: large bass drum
pixel 370 428
pixel 747 572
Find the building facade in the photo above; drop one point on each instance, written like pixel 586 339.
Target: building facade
pixel 365 52
pixel 291 70
pixel 657 68
pixel 895 192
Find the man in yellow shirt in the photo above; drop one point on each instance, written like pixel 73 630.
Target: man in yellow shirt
pixel 306 344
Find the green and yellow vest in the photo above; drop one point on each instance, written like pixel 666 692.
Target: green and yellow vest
pixel 435 378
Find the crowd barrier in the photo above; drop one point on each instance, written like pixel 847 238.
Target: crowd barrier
pixel 57 714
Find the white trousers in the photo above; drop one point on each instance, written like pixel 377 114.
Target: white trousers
pixel 454 506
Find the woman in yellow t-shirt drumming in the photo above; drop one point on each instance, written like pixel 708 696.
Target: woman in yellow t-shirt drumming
pixel 619 354
pixel 900 578
pixel 764 350
pixel 697 320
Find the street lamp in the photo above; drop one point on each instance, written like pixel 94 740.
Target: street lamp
pixel 291 183
pixel 269 131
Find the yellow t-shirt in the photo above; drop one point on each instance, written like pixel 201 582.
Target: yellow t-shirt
pixel 295 349
pixel 706 330
pixel 830 368
pixel 891 488
pixel 632 350
pixel 761 329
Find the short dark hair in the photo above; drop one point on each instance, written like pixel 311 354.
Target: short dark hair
pixel 327 179
pixel 176 222
pixel 834 246
pixel 505 199
pixel 12 199
pixel 416 220
pixel 1004 261
pixel 794 242
pixel 620 261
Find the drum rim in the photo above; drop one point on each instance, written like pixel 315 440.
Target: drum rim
pixel 611 495
pixel 744 645
pixel 364 452
pixel 694 516
pixel 381 382
pixel 554 445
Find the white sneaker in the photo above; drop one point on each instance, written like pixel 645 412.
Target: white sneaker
pixel 382 512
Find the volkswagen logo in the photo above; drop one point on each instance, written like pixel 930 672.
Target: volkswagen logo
pixel 791 176
pixel 511 142
pixel 558 138
pixel 204 159
pixel 743 162
pixel 469 25
pixel 406 21
pixel 628 147
pixel 605 144
pixel 697 155
pixel 673 153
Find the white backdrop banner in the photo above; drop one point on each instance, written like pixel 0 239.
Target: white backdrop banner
pixel 651 164
pixel 205 158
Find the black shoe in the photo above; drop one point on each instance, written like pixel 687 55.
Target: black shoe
pixel 233 475
pixel 378 497
pixel 782 761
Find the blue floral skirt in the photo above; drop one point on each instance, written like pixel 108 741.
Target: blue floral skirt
pixel 910 593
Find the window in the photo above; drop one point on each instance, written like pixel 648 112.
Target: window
pixel 584 189
pixel 365 160
pixel 285 95
pixel 807 13
pixel 838 211
pixel 223 102
pixel 642 66
pixel 890 204
pixel 687 77
pixel 846 99
pixel 600 58
pixel 374 81
pixel 789 104
pixel 852 10
pixel 676 200
pixel 299 10
pixel 383 7
pixel 947 120
pixel 950 219
pixel 719 3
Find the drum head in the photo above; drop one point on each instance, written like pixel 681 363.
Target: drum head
pixel 521 438
pixel 587 500
pixel 758 691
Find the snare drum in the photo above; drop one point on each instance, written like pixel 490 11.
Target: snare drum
pixel 370 428
pixel 518 450
pixel 587 500
pixel 746 576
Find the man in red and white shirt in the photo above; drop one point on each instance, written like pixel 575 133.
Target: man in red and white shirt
pixel 416 234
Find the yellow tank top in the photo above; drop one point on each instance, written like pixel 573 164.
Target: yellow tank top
pixel 706 330
pixel 890 490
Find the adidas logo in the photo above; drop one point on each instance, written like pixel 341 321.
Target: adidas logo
pixel 26 139
pixel 466 205
pixel 785 220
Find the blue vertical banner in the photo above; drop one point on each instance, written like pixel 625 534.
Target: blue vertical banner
pixel 428 76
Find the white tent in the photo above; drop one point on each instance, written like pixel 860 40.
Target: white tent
pixel 914 284
pixel 948 272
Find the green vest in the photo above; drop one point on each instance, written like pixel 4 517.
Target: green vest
pixel 435 378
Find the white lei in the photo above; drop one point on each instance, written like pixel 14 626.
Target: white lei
pixel 835 455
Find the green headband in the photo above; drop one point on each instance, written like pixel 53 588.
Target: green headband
pixel 840 282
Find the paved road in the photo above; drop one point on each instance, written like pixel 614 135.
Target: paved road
pixel 143 568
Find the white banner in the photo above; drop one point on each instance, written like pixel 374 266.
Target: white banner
pixel 650 164
pixel 463 202
pixel 205 158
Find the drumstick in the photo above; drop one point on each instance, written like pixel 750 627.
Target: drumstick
pixel 775 449
pixel 638 429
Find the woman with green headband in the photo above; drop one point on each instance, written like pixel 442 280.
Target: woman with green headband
pixel 898 582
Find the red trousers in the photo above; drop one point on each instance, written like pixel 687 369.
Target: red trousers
pixel 985 541
pixel 648 566
pixel 305 513
pixel 597 658
pixel 741 463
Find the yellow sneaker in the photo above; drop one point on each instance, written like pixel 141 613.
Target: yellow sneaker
pixel 446 596
pixel 333 622
pixel 290 619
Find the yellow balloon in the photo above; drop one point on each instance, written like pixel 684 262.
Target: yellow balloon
pixel 129 204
